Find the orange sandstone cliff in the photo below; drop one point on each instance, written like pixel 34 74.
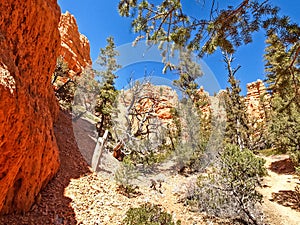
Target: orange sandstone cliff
pixel 257 101
pixel 29 40
pixel 75 47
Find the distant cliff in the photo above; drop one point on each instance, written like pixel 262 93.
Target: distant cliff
pixel 257 101
pixel 75 47
pixel 159 99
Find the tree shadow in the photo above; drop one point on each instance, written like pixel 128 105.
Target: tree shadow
pixel 86 137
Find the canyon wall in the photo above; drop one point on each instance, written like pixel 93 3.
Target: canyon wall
pixel 29 46
pixel 75 47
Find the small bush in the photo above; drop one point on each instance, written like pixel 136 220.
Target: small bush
pixel 295 156
pixel 124 177
pixel 64 86
pixel 230 190
pixel 148 214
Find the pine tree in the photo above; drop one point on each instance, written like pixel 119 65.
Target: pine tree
pixel 198 122
pixel 237 122
pixel 227 27
pixel 283 79
pixel 108 93
pixel 188 71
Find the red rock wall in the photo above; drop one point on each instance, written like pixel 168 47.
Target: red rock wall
pixel 29 41
pixel 75 47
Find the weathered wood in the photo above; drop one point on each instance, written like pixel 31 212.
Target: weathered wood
pixel 99 150
pixel 118 154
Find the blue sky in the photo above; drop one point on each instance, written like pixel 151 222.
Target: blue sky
pixel 98 19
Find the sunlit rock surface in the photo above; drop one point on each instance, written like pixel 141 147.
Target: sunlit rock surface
pixel 75 47
pixel 29 46
pixel 257 101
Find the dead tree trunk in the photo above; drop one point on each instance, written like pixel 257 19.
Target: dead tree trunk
pixel 98 150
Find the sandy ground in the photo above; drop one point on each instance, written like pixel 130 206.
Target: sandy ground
pixel 77 196
pixel 277 214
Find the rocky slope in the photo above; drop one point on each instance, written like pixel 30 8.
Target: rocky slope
pixel 28 51
pixel 75 47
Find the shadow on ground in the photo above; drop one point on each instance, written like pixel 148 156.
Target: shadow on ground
pixel 52 207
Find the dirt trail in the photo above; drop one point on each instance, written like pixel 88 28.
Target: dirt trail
pixel 277 214
pixel 76 196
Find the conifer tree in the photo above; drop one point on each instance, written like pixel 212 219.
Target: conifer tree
pixel 188 71
pixel 283 79
pixel 227 27
pixel 108 93
pixel 197 122
pixel 237 122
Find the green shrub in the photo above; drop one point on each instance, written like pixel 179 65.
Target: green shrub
pixel 125 175
pixel 148 214
pixel 195 132
pixel 230 190
pixel 295 156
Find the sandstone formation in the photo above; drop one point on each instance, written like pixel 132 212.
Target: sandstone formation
pixel 157 99
pixel 75 47
pixel 206 107
pixel 257 101
pixel 166 100
pixel 29 41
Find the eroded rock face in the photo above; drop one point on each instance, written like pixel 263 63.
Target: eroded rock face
pixel 75 47
pixel 29 41
pixel 257 101
pixel 157 99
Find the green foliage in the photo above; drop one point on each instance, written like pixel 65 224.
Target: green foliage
pixel 87 89
pixel 242 165
pixel 61 69
pixel 284 126
pixel 226 28
pixel 283 78
pixel 163 152
pixel 190 148
pixel 269 152
pixel 188 71
pixel 148 214
pixel 230 189
pixel 108 94
pixel 175 131
pixel 64 85
pixel 295 156
pixel 282 66
pixel 237 120
pixel 126 174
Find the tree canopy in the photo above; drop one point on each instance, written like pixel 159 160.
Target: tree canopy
pixel 283 79
pixel 227 28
